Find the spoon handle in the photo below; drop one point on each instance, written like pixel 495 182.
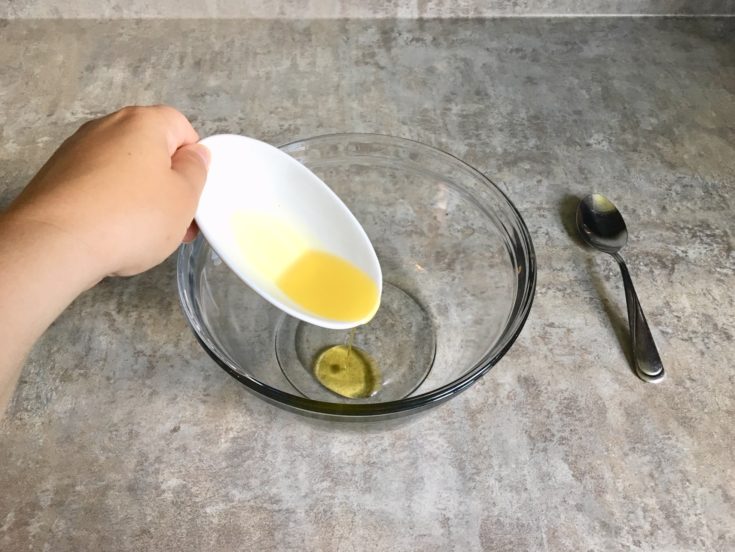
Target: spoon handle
pixel 648 365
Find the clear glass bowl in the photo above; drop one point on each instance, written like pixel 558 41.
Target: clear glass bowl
pixel 459 278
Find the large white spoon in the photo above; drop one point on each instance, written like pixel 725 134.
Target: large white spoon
pixel 287 234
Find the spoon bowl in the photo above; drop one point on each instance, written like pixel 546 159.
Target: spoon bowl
pixel 265 213
pixel 600 224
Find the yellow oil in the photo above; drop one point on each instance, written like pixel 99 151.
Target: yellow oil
pixel 321 283
pixel 347 370
pixel 330 287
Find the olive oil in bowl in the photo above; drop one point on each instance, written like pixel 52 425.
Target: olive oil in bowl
pixel 347 370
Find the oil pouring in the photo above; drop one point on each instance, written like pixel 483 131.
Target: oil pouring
pixel 291 239
pixel 321 283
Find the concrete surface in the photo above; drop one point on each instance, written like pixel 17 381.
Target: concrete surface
pixel 301 9
pixel 123 435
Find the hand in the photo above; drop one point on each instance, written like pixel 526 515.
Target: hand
pixel 125 186
pixel 115 199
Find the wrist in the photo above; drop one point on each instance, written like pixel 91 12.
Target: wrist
pixel 37 243
pixel 42 271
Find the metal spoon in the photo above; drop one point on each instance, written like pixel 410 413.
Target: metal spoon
pixel 601 225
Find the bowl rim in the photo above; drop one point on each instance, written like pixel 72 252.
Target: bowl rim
pixel 519 315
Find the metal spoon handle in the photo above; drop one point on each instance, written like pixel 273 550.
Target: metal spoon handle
pixel 647 361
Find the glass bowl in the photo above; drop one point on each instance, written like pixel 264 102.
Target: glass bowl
pixel 459 278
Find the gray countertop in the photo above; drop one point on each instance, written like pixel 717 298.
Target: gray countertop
pixel 124 435
pixel 330 9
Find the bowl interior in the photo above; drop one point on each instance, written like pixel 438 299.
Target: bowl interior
pixel 458 273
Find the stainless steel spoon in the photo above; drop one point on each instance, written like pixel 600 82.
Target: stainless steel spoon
pixel 601 225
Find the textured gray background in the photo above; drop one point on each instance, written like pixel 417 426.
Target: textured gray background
pixel 301 9
pixel 124 435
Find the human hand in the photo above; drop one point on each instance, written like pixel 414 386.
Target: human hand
pixel 124 187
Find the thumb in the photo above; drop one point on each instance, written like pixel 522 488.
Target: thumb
pixel 192 162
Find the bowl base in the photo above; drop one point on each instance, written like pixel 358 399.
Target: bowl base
pixel 399 339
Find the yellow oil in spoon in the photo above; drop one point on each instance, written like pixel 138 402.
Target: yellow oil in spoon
pixel 329 287
pixel 323 284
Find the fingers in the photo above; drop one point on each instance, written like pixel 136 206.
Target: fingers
pixel 191 162
pixel 179 129
pixel 191 232
pixel 158 120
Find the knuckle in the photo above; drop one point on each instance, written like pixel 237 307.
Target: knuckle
pixel 163 108
pixel 193 157
pixel 129 111
pixel 88 125
pixel 170 113
pixel 95 122
pixel 132 114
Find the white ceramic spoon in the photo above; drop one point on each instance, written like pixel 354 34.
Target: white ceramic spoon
pixel 261 210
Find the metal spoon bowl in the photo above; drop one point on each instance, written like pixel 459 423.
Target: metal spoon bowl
pixel 601 226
